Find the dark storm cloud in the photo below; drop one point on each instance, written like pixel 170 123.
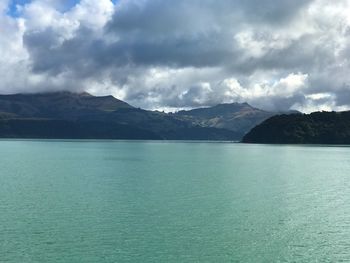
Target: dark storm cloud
pixel 181 17
pixel 271 10
pixel 48 55
pixel 343 96
pixel 158 33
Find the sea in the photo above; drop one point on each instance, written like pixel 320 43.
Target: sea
pixel 149 201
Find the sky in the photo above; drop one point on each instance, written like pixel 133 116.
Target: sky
pixel 171 55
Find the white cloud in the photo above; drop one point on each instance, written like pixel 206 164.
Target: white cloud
pixel 166 54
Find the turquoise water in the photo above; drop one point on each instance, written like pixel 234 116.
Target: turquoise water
pixel 109 201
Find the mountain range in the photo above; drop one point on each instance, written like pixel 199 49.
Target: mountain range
pixel 81 115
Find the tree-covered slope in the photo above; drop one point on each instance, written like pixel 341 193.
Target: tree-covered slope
pixel 81 115
pixel 314 128
pixel 65 129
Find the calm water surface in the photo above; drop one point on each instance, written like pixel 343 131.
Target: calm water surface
pixel 86 201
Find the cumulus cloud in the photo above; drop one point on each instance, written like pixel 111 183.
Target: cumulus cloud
pixel 162 54
pixel 283 94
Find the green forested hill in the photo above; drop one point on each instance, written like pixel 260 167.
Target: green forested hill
pixel 314 128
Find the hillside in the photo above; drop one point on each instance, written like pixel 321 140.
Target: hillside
pixel 63 129
pixel 314 128
pixel 237 117
pixel 60 105
pixel 65 115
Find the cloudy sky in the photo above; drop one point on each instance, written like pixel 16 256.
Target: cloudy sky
pixel 165 54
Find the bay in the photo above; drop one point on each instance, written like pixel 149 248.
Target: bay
pixel 146 201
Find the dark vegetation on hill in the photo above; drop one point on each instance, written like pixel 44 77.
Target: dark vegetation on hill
pixel 62 129
pixel 71 115
pixel 314 128
pixel 81 115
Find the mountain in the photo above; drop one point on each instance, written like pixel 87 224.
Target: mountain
pixel 314 128
pixel 237 117
pixel 81 115
pixel 60 105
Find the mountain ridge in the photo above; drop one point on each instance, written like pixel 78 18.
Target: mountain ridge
pixel 238 117
pixel 221 122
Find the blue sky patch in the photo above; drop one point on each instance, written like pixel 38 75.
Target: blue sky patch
pixel 13 11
